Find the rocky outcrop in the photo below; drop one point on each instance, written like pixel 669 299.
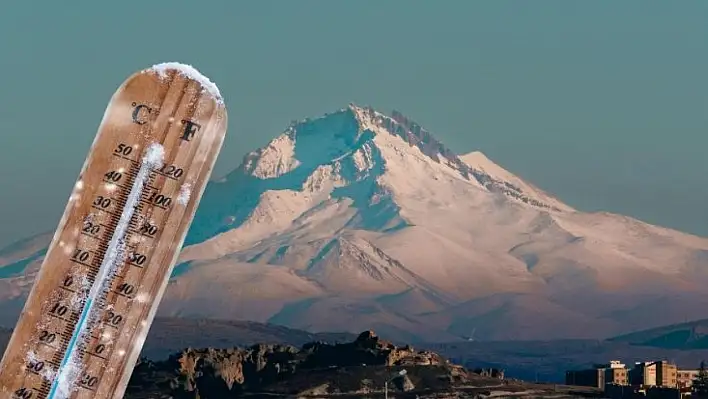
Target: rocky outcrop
pixel 491 372
pixel 357 369
pixel 217 371
pixel 363 365
pixel 369 349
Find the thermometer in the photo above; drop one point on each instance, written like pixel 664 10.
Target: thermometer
pixel 90 308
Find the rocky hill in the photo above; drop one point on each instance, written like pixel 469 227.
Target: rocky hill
pixel 356 369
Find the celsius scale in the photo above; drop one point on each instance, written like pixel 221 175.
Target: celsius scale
pixel 88 314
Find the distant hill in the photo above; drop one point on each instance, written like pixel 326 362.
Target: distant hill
pixel 548 360
pixel 170 335
pixel 685 336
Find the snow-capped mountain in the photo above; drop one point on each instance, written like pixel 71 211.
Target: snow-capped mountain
pixel 359 220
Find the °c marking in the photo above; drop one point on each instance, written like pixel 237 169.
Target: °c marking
pixel 139 111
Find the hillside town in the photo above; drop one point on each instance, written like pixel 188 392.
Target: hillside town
pixel 651 379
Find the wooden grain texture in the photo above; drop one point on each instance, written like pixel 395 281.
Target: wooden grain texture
pixel 113 350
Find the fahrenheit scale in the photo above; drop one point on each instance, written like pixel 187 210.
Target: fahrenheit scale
pixel 92 303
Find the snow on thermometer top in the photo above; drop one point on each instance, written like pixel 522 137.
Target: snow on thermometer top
pixel 92 303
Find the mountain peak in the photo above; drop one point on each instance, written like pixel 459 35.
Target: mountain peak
pixel 360 118
pixel 384 170
pixel 347 130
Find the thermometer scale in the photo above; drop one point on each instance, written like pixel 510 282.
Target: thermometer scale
pixel 90 308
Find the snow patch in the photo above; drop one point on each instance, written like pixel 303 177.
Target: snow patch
pixel 324 178
pixel 363 159
pixel 185 192
pixel 478 161
pixel 154 157
pixel 191 73
pixel 275 160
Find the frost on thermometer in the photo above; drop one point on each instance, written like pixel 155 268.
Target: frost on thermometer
pixel 184 193
pixel 70 368
pixel 192 73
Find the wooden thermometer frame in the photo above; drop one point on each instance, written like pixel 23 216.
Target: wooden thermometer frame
pixel 178 111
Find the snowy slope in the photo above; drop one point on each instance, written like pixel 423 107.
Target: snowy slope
pixel 359 220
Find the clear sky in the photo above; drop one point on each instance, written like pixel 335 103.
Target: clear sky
pixel 602 103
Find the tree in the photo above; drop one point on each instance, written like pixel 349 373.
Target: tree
pixel 700 383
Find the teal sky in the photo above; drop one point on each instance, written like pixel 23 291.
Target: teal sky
pixel 602 103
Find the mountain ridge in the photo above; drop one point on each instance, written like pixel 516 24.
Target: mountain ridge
pixel 690 335
pixel 370 221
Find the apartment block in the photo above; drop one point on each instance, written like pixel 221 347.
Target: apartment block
pixel 613 373
pixel 684 378
pixel 652 374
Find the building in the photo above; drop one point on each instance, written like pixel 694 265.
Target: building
pixel 684 378
pixel 598 376
pixel 654 374
pixel 586 378
pixel 616 375
pixel 666 374
pixel 643 374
